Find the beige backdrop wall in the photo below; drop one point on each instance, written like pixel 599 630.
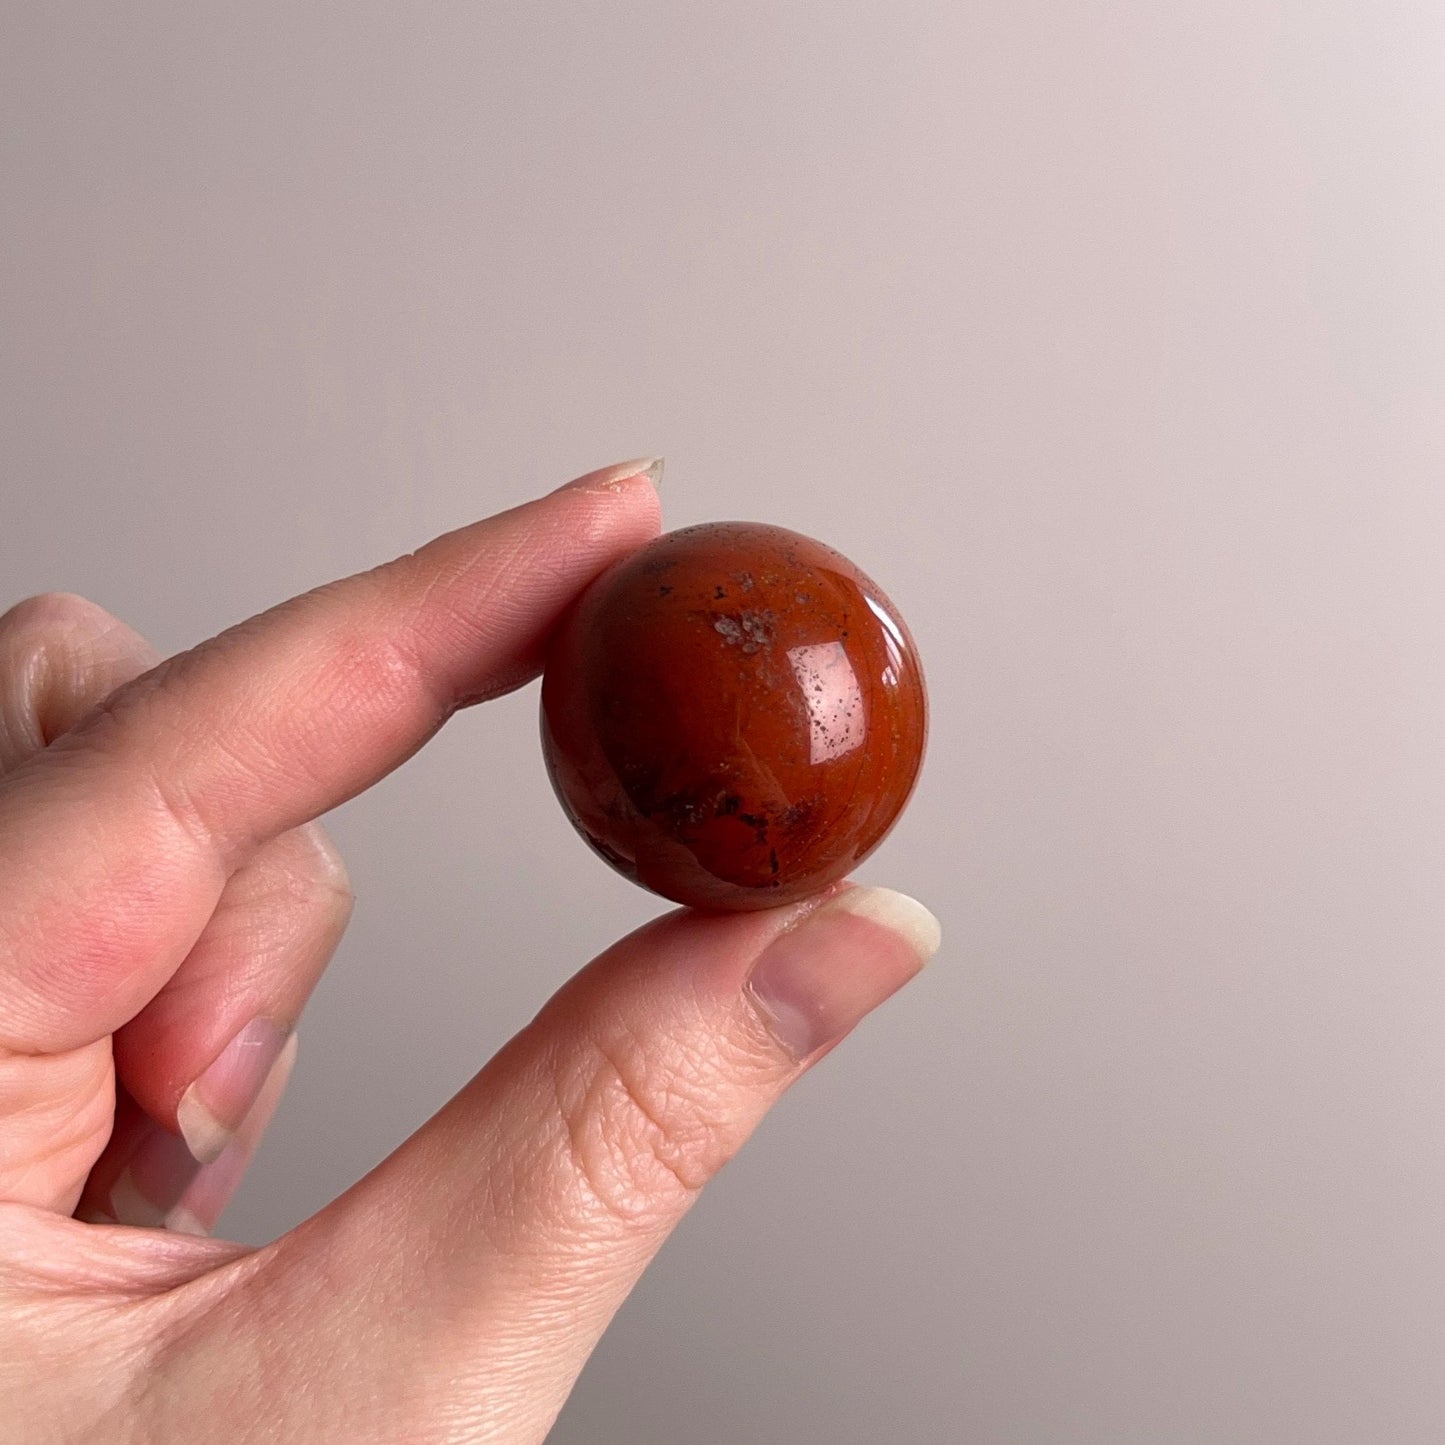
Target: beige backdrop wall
pixel 1111 338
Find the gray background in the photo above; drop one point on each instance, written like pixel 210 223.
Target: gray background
pixel 1111 338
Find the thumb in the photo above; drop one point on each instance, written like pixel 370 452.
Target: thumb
pixel 486 1256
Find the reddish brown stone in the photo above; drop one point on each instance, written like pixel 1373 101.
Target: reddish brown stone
pixel 734 716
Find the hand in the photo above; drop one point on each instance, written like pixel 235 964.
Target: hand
pixel 166 906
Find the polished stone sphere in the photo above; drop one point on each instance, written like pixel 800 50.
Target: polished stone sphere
pixel 733 716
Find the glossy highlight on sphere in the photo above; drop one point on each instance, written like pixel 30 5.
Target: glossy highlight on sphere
pixel 734 716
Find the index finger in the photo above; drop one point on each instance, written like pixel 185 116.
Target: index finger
pixel 116 840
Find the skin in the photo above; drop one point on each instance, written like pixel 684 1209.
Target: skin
pixel 163 883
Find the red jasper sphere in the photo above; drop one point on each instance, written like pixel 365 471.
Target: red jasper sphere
pixel 733 716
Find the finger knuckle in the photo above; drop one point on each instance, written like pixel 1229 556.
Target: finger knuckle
pixel 644 1132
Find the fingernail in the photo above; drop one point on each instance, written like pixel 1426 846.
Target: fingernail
pixel 208 1194
pixel 211 1110
pixel 159 1173
pixel 815 982
pixel 163 1185
pixel 610 479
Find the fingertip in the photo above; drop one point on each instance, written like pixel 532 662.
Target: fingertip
pixel 612 510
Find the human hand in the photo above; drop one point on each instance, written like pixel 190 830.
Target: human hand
pixel 167 904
